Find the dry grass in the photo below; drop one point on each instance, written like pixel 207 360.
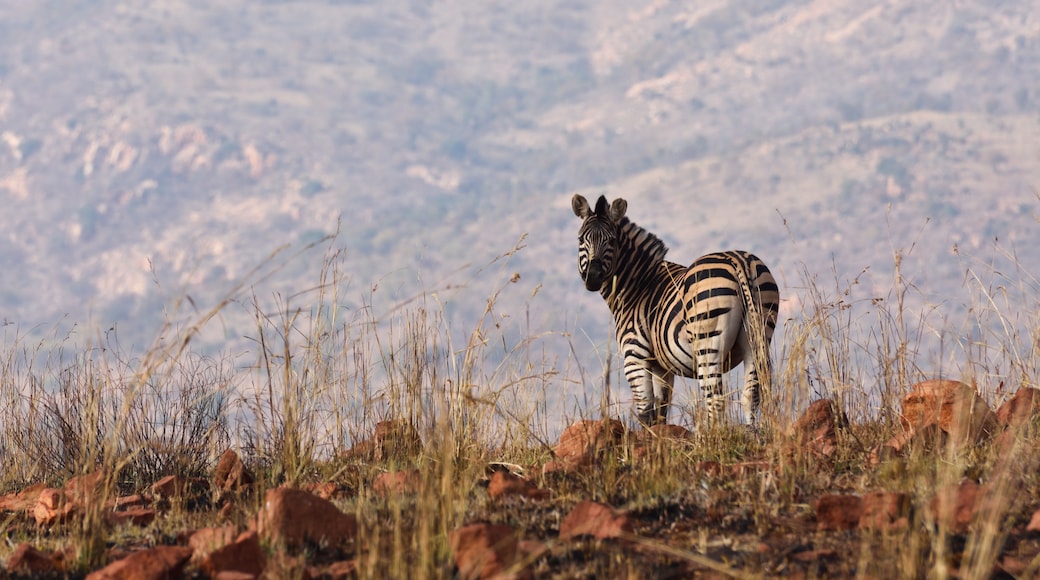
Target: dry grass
pixel 322 378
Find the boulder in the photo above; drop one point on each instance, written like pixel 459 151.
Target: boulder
pixel 954 406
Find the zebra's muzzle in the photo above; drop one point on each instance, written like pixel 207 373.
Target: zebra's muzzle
pixel 594 276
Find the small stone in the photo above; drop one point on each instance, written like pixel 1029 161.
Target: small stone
pixel 396 440
pixel 1020 409
pixel 169 487
pixel 955 506
pixel 397 482
pixel 838 511
pixel 295 517
pixel 601 521
pixel 244 555
pixel 153 564
pixel 27 559
pixel 231 474
pixel 205 541
pixel 483 550
pixel 882 511
pixel 1034 522
pixel 505 484
pixel 585 442
pixel 815 431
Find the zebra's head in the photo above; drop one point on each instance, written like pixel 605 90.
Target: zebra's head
pixel 597 238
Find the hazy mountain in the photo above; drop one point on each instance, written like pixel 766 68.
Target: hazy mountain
pixel 193 139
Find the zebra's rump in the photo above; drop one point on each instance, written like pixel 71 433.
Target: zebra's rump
pixel 725 303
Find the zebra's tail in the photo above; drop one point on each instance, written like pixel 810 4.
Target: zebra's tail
pixel 756 328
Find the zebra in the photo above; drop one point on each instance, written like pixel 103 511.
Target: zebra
pixel 699 321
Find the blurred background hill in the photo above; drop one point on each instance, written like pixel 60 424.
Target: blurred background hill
pixel 153 149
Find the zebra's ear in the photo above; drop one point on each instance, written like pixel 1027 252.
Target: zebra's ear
pixel 617 210
pixel 580 206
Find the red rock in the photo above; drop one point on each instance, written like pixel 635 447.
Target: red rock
pixel 583 442
pixel 137 516
pixel 1020 409
pixel 955 406
pixel 294 517
pixel 28 560
pixel 533 549
pixel 159 563
pixel 51 498
pixel 396 440
pixel 815 431
pixel 928 438
pixel 231 474
pixel 225 511
pixel 1011 566
pixel 127 502
pixel 1034 522
pixel 838 511
pixel 205 541
pixel 955 506
pixel 813 555
pixel 882 510
pixel 84 487
pixel 484 550
pixel 397 482
pixel 505 484
pixel 22 501
pixel 243 555
pixel 326 490
pixel 169 487
pixel 601 521
pixel 340 570
pixel 52 507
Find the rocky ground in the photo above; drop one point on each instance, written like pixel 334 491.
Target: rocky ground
pixel 951 491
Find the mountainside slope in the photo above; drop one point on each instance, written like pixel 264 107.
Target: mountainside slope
pixel 194 140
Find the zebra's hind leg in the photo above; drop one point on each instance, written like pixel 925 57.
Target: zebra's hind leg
pixel 641 380
pixel 754 384
pixel 714 395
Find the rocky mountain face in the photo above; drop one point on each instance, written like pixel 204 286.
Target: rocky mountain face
pixel 154 149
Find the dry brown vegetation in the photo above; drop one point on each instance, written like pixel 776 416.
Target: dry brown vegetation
pixel 392 447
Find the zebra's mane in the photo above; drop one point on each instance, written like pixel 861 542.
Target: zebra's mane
pixel 637 242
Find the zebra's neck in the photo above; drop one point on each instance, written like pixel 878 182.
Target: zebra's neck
pixel 639 255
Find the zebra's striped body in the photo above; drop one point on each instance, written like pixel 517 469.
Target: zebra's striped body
pixel 698 321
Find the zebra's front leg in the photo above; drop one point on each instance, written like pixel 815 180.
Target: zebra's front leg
pixel 663 382
pixel 651 390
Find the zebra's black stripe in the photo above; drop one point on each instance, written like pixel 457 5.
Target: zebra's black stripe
pixel 697 321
